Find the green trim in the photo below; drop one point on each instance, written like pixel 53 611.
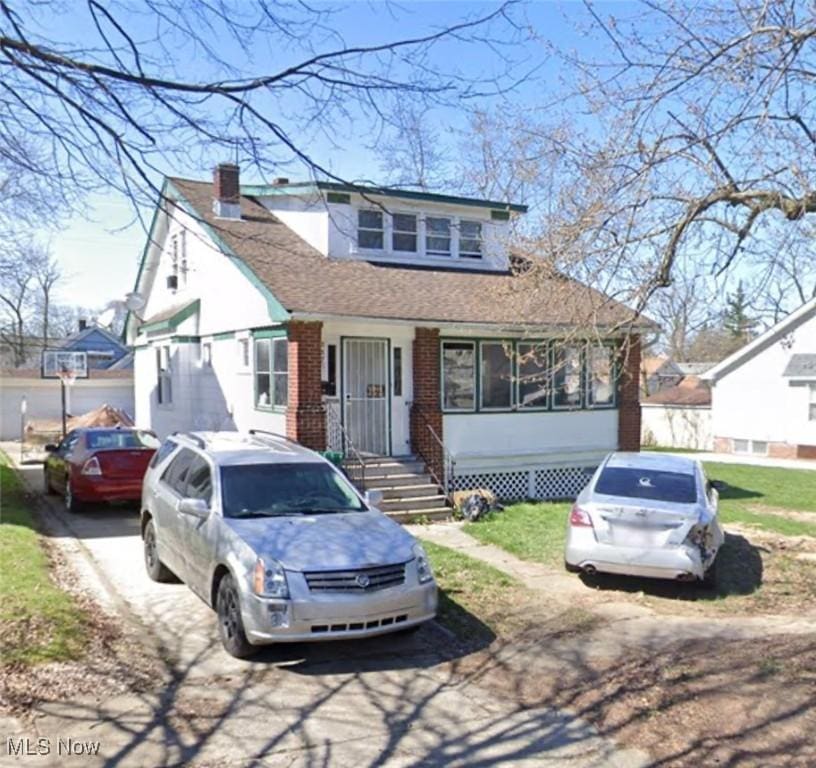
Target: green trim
pixel 224 336
pixel 276 310
pixel 171 323
pixel 266 190
pixel 268 333
pixel 271 408
pixel 185 339
pixel 550 407
pixel 500 215
pixel 338 197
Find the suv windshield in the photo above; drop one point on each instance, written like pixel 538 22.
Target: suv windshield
pixel 634 483
pixel 267 490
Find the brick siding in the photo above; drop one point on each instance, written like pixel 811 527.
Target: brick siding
pixel 427 408
pixel 306 414
pixel 226 183
pixel 629 404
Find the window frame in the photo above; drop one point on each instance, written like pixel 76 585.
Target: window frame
pixel 470 254
pixel 513 377
pixel 581 347
pixel 164 373
pixel 613 374
pixel 394 232
pixel 812 401
pixel 381 230
pixel 547 344
pixel 475 347
pixel 434 253
pixel 271 340
pixel 397 363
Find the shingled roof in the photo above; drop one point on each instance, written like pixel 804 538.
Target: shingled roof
pixel 304 281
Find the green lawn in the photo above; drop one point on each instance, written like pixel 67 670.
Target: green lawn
pixel 469 588
pixel 536 531
pixel 38 621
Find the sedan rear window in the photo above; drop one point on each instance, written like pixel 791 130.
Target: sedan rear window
pixel 116 439
pixel 270 490
pixel 633 483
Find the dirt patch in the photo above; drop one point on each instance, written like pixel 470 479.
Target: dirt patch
pixel 788 514
pixel 111 664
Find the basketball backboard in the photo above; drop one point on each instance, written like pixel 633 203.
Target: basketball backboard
pixel 56 363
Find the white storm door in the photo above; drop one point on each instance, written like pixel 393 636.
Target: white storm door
pixel 365 394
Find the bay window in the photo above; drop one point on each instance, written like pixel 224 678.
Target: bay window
pixel 533 375
pixel 567 389
pixel 496 375
pixel 437 236
pixel 470 239
pixel 370 230
pixel 600 377
pixel 271 373
pixel 458 375
pixel 404 234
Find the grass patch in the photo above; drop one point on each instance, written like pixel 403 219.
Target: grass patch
pixel 476 600
pixel 531 531
pixel 38 621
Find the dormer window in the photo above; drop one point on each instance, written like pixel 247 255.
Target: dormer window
pixel 404 237
pixel 437 236
pixel 470 239
pixel 370 230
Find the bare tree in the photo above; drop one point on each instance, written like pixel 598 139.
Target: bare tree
pixel 149 86
pixel 46 274
pixel 16 290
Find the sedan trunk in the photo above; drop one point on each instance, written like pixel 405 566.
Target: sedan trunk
pixel 648 525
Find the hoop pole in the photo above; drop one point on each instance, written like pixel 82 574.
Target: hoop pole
pixel 62 392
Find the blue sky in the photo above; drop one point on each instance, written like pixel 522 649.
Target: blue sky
pixel 99 250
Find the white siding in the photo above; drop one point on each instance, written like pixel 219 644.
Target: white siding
pixel 677 426
pixel 44 400
pixel 755 402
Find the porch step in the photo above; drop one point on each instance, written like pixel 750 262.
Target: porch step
pixel 413 503
pixel 407 517
pixel 396 481
pixel 386 468
pixel 409 491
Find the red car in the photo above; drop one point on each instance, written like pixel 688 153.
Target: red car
pixel 99 464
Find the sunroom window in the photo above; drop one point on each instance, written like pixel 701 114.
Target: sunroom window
pixel 271 373
pixel 497 376
pixel 437 236
pixel 600 377
pixel 567 376
pixel 404 236
pixel 534 375
pixel 458 375
pixel 370 230
pixel 470 239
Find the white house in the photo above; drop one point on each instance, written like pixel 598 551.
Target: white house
pixel 392 318
pixel 678 416
pixel 764 395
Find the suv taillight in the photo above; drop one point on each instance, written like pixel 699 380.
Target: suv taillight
pixel 91 467
pixel 579 518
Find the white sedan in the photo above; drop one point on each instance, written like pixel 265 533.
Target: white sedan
pixel 646 514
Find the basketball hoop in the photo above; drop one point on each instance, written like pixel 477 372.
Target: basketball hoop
pixel 67 376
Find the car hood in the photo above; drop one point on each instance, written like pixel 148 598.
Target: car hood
pixel 326 542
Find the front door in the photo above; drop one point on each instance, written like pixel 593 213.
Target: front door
pixel 365 394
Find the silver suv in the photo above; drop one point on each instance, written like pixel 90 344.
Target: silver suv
pixel 278 542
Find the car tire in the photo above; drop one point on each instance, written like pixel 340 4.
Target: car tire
pixel 709 579
pixel 571 568
pixel 230 624
pixel 155 568
pixel 72 504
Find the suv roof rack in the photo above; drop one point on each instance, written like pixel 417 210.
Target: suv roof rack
pixel 199 441
pixel 267 432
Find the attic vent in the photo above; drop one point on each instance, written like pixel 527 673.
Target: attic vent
pixel 338 197
pixel 500 215
pixel 280 181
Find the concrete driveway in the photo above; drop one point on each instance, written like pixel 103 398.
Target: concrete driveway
pixel 395 701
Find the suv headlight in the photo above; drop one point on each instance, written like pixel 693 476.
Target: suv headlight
pixel 423 565
pixel 270 579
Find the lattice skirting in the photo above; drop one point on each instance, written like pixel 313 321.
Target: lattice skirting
pixel 552 483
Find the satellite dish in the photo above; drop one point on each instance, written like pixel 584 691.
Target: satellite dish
pixel 106 317
pixel 134 301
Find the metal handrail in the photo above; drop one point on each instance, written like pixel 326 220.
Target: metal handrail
pixel 448 465
pixel 348 449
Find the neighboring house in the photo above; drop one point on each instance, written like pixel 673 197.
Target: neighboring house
pixel 693 369
pixel 764 395
pixel 393 317
pixel 679 416
pixel 104 350
pixel 658 372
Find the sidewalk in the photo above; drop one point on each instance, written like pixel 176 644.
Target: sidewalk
pixel 758 461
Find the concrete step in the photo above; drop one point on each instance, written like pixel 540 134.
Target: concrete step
pixel 408 516
pixel 413 503
pixel 394 481
pixel 383 469
pixel 413 491
pixel 409 458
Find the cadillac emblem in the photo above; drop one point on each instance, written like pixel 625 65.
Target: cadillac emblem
pixel 362 580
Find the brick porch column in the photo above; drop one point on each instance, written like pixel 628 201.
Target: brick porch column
pixel 629 396
pixel 305 414
pixel 427 409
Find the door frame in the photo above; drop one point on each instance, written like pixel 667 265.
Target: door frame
pixel 388 383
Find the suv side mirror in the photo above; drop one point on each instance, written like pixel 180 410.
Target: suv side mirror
pixel 373 498
pixel 194 507
pixel 718 485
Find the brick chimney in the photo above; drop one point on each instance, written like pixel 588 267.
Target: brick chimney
pixel 83 324
pixel 226 191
